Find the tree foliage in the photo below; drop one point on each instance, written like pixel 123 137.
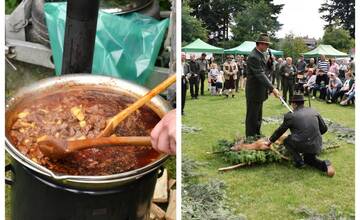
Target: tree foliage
pixel 259 17
pixel 220 17
pixel 192 28
pixel 339 39
pixel 293 46
pixel 339 13
pixel 217 14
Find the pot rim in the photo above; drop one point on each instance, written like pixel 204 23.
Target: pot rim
pixel 119 10
pixel 157 104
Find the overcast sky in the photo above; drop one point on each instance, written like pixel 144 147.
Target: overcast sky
pixel 301 17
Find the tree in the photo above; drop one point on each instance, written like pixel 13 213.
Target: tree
pixel 217 15
pixel 259 17
pixel 293 46
pixel 339 13
pixel 339 39
pixel 192 28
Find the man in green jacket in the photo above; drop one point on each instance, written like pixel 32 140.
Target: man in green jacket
pixel 257 85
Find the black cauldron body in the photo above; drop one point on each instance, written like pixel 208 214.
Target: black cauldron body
pixel 36 197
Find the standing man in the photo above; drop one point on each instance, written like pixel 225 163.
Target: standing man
pixel 278 66
pixel 300 77
pixel 230 75
pixel 194 77
pixel 323 64
pixel 204 68
pixel 185 70
pixel 257 85
pixel 240 72
pixel 306 126
pixel 288 73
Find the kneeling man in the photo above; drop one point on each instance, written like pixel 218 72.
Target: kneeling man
pixel 305 141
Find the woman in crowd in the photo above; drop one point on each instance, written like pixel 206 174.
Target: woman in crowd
pixel 334 67
pixel 350 96
pixel 349 81
pixel 333 87
pixel 288 72
pixel 343 68
pixel 310 81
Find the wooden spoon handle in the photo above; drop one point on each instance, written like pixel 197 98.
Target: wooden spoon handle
pixel 106 141
pixel 140 102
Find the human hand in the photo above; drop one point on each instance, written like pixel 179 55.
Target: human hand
pixel 286 74
pixel 276 93
pixel 163 136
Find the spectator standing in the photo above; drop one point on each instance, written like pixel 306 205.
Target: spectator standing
pixel 219 83
pixel 240 73
pixel 185 70
pixel 230 75
pixel 204 68
pixel 278 66
pixel 213 76
pixel 300 76
pixel 194 77
pixel 288 73
pixel 323 64
pixel 334 67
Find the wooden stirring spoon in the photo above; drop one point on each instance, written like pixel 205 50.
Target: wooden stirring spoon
pixel 59 148
pixel 114 121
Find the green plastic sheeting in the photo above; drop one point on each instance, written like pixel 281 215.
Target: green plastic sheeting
pixel 126 46
pixel 246 47
pixel 200 46
pixel 326 50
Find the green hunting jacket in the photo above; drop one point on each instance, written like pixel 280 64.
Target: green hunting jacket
pixel 258 84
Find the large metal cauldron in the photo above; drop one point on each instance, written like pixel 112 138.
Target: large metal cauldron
pixel 38 193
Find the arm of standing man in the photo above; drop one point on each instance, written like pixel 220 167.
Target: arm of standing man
pixel 259 73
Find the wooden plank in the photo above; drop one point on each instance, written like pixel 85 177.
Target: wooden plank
pixel 156 212
pixel 161 189
pixel 171 183
pixel 171 209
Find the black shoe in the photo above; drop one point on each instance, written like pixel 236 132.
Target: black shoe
pixel 233 96
pixel 299 164
pixel 227 96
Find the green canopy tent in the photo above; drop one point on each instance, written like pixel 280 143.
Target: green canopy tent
pixel 246 47
pixel 326 50
pixel 200 46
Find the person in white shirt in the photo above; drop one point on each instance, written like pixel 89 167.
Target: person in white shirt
pixel 311 81
pixel 213 75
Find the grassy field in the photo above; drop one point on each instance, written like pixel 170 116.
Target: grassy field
pixel 270 191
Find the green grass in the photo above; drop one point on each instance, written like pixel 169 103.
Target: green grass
pixel 269 191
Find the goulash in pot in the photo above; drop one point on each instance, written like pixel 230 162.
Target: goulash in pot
pixel 78 114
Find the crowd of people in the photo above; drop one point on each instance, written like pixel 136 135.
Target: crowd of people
pixel 333 80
